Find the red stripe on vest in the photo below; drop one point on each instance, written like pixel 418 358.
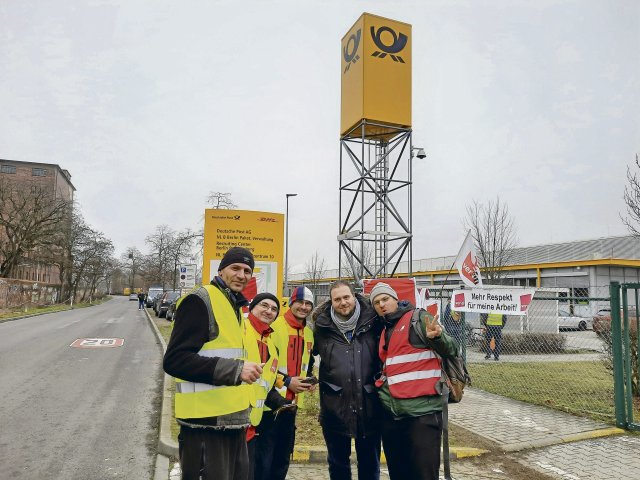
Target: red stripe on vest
pixel 399 345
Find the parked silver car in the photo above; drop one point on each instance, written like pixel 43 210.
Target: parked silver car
pixel 568 321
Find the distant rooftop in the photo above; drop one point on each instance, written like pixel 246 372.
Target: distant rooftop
pixel 621 247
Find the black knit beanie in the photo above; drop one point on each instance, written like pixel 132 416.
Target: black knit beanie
pixel 237 255
pixel 264 296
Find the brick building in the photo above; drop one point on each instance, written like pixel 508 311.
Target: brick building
pixel 31 178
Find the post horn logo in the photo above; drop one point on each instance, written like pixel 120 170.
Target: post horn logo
pixel 399 42
pixel 353 57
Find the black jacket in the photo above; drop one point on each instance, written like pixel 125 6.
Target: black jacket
pixel 191 330
pixel 349 403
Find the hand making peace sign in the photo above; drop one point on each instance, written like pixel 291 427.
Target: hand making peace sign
pixel 433 328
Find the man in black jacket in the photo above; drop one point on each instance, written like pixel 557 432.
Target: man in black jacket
pixel 347 334
pixel 205 353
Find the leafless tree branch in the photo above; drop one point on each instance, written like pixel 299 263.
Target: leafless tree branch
pixel 495 236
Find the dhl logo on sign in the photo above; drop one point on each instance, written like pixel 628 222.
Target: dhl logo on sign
pixel 376 73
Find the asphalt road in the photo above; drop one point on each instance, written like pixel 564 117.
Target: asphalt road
pixel 79 413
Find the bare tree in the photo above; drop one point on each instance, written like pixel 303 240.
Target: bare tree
pixel 32 219
pixel 160 260
pixel 168 249
pixel 181 249
pixel 359 264
pixel 131 262
pixel 74 237
pixel 221 200
pixel 98 267
pixel 494 233
pixel 632 200
pixel 316 270
pixel 91 255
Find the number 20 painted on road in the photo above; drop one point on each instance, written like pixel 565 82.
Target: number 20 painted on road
pixel 97 342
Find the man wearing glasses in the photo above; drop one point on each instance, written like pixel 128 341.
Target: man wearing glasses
pixel 214 366
pixel 261 436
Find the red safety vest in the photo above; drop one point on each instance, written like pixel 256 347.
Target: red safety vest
pixel 410 372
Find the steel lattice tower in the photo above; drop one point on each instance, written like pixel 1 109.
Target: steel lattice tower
pixel 375 200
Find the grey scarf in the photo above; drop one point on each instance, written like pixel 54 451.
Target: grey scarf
pixel 346 324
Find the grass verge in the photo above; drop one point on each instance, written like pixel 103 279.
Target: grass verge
pixel 580 388
pixel 164 327
pixel 37 310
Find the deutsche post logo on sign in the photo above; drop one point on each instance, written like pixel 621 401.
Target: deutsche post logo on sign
pixel 399 41
pixel 97 343
pixel 350 50
pixel 375 59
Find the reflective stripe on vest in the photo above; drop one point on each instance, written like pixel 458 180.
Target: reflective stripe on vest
pixel 411 357
pixel 269 373
pixel 494 319
pixel 198 400
pixel 410 372
pixel 224 353
pixel 405 377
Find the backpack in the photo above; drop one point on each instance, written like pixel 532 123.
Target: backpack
pixel 454 371
pixel 456 376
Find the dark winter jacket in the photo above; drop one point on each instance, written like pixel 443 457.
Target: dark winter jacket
pixel 349 404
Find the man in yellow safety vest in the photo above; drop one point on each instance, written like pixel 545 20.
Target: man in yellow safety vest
pixel 215 367
pixel 494 322
pixel 263 310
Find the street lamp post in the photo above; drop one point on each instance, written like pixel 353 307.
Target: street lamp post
pixel 286 245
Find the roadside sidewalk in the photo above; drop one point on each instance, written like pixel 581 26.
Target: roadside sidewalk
pixel 556 444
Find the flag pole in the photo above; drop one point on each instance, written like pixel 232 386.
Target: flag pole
pixel 454 262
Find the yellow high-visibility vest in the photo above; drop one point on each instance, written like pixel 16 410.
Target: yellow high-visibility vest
pixel 268 377
pixel 282 330
pixel 202 400
pixel 494 319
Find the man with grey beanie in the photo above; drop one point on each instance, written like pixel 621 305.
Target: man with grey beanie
pixel 409 385
pixel 346 334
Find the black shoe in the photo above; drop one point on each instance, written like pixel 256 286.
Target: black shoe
pixel 496 359
pixel 487 356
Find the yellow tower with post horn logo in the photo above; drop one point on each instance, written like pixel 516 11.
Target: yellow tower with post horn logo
pixel 376 76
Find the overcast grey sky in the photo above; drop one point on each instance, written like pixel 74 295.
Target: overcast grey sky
pixel 151 105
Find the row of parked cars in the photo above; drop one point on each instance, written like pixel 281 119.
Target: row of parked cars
pixel 600 323
pixel 163 302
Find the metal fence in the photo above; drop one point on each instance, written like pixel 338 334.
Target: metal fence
pixel 559 355
pixel 625 346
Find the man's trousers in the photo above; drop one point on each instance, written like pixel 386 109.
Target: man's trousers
pixel 412 446
pixel 339 453
pixel 213 454
pixel 274 445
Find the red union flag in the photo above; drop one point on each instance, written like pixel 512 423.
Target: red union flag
pixel 467 263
